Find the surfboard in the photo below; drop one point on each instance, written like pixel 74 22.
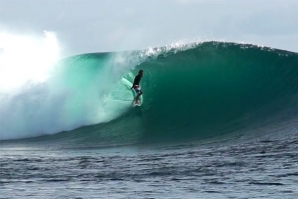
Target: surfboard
pixel 138 103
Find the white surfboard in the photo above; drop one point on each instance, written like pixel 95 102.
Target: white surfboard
pixel 138 103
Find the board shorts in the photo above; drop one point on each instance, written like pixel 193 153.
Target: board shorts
pixel 138 89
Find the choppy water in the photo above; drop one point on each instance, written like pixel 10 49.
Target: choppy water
pixel 263 168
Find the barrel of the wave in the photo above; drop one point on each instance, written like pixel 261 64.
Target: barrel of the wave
pixel 215 89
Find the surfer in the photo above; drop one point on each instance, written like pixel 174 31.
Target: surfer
pixel 136 86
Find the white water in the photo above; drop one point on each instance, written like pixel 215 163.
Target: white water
pixel 36 97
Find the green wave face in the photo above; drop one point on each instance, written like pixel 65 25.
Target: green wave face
pixel 215 88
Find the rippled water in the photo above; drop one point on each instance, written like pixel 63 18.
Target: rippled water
pixel 254 169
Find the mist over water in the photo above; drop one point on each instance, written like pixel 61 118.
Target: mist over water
pixel 25 66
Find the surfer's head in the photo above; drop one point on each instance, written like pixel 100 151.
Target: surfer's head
pixel 141 72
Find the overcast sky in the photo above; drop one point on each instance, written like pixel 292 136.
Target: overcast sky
pixel 85 26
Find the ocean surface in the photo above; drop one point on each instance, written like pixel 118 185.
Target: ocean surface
pixel 218 120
